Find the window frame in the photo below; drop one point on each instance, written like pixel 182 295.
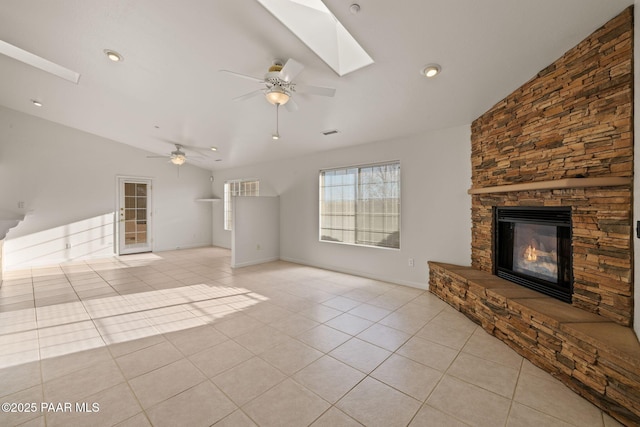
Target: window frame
pixel 227 220
pixel 359 168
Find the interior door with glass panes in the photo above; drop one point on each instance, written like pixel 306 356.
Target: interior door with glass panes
pixel 134 212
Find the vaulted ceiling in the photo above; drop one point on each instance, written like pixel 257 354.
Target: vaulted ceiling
pixel 169 89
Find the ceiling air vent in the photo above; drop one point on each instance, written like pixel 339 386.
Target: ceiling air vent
pixel 329 132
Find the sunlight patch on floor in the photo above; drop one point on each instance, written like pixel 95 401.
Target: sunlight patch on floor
pixel 39 333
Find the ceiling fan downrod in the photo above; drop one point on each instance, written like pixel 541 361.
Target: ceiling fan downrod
pixel 276 135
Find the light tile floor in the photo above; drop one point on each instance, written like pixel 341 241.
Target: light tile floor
pixel 180 339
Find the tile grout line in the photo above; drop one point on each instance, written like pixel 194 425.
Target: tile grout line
pixel 295 337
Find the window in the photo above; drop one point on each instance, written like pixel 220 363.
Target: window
pixel 361 205
pixel 237 188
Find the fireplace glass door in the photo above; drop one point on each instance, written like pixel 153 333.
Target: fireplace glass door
pixel 533 249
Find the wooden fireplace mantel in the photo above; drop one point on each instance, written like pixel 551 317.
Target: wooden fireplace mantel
pixel 612 181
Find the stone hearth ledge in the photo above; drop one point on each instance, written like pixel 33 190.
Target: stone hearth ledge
pixel 597 358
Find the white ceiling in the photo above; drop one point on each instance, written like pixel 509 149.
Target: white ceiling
pixel 174 49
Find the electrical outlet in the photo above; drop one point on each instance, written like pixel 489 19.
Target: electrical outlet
pixel 20 205
pixel 411 262
pixel 67 246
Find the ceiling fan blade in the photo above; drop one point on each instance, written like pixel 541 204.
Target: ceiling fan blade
pixel 183 147
pixel 291 106
pixel 200 150
pixel 315 90
pixel 249 95
pixel 244 76
pixel 157 157
pixel 290 70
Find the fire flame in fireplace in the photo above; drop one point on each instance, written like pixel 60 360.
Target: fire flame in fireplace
pixel 530 253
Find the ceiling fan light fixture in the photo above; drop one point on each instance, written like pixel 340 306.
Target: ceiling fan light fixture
pixel 275 136
pixel 431 70
pixel 178 159
pixel 277 96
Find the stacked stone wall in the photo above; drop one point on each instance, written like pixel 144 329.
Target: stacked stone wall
pixel 572 120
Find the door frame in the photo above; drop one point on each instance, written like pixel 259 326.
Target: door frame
pixel 120 180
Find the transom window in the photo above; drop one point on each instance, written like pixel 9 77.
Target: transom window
pixel 360 205
pixel 237 188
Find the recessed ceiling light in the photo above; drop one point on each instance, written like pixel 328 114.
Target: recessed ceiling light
pixel 36 103
pixel 214 148
pixel 431 70
pixel 113 55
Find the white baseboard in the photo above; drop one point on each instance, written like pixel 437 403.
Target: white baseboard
pixel 177 248
pixel 255 262
pixel 393 280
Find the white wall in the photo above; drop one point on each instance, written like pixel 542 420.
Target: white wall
pixel 67 181
pixel 256 230
pixel 636 181
pixel 435 217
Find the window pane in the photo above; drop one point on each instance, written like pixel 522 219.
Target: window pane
pixel 237 188
pixel 361 205
pixel 129 189
pixel 141 189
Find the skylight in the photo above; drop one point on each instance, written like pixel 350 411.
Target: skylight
pixel 314 24
pixel 38 62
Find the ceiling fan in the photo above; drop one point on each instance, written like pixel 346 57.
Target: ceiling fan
pixel 177 157
pixel 279 86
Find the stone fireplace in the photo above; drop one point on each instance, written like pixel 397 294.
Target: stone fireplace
pixel 600 240
pixel 560 144
pixel 564 139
